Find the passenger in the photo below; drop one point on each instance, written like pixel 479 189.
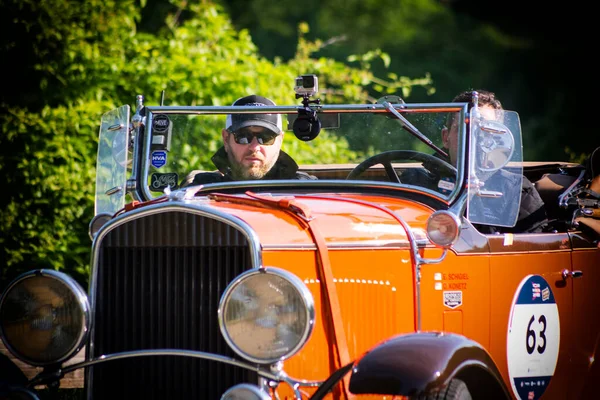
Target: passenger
pixel 590 197
pixel 532 215
pixel 251 149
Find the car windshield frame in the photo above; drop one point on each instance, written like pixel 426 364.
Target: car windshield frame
pixel 159 135
pixel 343 111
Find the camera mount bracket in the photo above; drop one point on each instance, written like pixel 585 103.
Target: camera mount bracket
pixel 307 125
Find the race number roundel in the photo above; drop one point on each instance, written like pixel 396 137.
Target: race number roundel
pixel 533 338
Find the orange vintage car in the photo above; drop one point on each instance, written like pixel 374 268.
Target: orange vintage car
pixel 373 279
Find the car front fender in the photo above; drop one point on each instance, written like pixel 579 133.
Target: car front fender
pixel 420 363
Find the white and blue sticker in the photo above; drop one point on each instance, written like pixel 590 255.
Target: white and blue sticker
pixel 159 158
pixel 453 298
pixel 446 185
pixel 533 338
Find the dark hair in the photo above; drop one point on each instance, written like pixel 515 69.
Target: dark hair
pixel 485 98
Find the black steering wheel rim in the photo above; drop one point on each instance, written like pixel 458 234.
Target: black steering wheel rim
pixel 385 158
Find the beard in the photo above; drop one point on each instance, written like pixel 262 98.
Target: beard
pixel 254 172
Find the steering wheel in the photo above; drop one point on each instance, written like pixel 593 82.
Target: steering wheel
pixel 386 158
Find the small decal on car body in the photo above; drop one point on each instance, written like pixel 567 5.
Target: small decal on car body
pixel 533 339
pixel 453 299
pixel 455 281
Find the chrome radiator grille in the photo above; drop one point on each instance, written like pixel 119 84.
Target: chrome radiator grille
pixel 158 284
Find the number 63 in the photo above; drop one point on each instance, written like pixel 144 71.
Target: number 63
pixel 531 337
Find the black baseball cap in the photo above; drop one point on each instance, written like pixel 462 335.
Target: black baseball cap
pixel 271 122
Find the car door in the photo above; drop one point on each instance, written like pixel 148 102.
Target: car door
pixel 531 312
pixel 585 279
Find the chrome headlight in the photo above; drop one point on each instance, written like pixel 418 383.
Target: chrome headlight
pixel 44 317
pixel 245 391
pixel 266 315
pixel 443 228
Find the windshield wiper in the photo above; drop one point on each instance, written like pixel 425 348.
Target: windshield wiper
pixel 412 129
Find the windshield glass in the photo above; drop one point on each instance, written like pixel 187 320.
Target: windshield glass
pixel 366 144
pixel 495 169
pixel 111 168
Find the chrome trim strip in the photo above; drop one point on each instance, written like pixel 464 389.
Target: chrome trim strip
pixel 325 108
pixel 349 187
pixel 262 372
pixel 198 209
pixel 138 123
pixel 371 245
pixel 146 195
pixel 169 352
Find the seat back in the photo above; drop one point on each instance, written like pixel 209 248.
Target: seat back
pixel 593 169
pixel 593 163
pixel 589 214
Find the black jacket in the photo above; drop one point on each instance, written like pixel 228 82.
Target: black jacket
pixel 285 168
pixel 532 215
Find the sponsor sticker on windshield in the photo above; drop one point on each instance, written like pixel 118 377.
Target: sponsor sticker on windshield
pixel 446 185
pixel 159 158
pixel 162 181
pixel 160 123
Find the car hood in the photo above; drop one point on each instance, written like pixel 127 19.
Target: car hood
pixel 342 219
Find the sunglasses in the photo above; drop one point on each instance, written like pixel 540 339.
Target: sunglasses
pixel 245 136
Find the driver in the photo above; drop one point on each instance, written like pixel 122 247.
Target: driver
pixel 532 213
pixel 251 149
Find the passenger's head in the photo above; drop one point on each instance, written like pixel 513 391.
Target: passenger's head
pixel 488 106
pixel 252 141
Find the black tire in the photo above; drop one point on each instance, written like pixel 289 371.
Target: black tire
pixel 456 390
pixel 9 372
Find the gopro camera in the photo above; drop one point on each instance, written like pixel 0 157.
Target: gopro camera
pixel 306 85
